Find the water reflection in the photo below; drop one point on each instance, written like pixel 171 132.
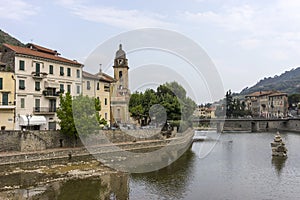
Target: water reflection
pixel 168 183
pixel 109 186
pixel 278 163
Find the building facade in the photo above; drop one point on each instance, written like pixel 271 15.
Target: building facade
pixel 41 75
pixel 98 86
pixel 7 98
pixel 267 104
pixel 120 93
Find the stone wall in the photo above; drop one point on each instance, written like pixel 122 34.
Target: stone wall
pixel 10 141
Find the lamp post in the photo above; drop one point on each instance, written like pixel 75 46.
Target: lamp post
pixel 28 119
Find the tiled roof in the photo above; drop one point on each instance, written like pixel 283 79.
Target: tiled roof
pixel 42 49
pixel 105 77
pixel 32 52
pixel 260 93
pixel 89 75
pixel 99 76
pixel 278 94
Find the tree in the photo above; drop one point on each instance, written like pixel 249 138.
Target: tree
pixel 80 115
pixel 65 116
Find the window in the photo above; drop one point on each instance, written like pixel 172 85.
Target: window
pixel 120 74
pixel 21 65
pixel 4 98
pixel 98 86
pixel 1 83
pixel 37 105
pixel 37 86
pixel 22 103
pixel 69 88
pixel 37 68
pixel 105 116
pixel 50 69
pixel 78 73
pixel 61 88
pixel 88 85
pixel 105 101
pixel 78 89
pixel 69 72
pixel 61 71
pixel 22 84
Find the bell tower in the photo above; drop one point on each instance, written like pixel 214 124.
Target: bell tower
pixel 121 69
pixel 120 93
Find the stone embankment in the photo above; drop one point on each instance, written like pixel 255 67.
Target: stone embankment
pixel 50 147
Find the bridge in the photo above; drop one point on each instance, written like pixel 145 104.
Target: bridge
pixel 245 124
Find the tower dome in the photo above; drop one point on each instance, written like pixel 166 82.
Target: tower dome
pixel 120 53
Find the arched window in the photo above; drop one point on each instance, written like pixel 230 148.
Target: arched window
pixel 120 74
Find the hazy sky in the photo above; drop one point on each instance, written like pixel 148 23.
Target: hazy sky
pixel 246 40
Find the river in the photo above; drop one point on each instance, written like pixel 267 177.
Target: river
pixel 240 166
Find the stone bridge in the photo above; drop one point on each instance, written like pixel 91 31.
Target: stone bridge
pixel 251 125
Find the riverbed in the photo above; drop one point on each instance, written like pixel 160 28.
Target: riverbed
pixel 237 166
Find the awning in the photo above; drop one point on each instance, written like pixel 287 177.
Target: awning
pixel 34 120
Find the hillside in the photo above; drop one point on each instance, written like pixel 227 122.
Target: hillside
pixel 288 82
pixel 6 38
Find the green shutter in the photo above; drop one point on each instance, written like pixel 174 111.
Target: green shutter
pixel 5 99
pixel 21 65
pixel 22 84
pixel 37 68
pixel 1 83
pixel 50 69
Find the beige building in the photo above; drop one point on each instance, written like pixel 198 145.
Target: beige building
pixel 41 76
pixel 98 86
pixel 267 104
pixel 204 112
pixel 120 93
pixel 7 98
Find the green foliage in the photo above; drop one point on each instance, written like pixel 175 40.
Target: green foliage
pixel 170 96
pixel 65 116
pixel 82 111
pixel 293 100
pixel 234 107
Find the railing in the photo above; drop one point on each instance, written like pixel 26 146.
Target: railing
pixel 50 93
pixel 39 75
pixel 44 110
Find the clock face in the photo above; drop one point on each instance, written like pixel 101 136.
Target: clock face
pixel 120 61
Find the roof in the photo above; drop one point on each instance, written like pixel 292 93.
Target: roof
pixel 278 94
pixel 89 75
pixel 268 93
pixel 259 93
pixel 42 49
pixel 99 76
pixel 105 77
pixel 35 52
pixel 120 53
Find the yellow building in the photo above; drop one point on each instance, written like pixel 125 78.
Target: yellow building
pixel 98 86
pixel 7 99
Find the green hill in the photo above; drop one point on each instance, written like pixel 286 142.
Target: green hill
pixel 288 82
pixel 6 38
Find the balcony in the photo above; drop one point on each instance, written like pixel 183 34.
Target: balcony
pixel 7 105
pixel 51 94
pixel 39 75
pixel 44 110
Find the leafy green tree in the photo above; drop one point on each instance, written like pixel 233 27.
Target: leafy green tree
pixel 82 111
pixel 65 116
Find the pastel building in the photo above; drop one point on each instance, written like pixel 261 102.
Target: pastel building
pixel 7 98
pixel 98 86
pixel 41 75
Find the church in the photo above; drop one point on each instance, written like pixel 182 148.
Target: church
pixel 120 93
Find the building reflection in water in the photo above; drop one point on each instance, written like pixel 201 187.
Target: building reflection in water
pixel 109 186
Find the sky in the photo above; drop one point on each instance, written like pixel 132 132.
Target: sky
pixel 246 40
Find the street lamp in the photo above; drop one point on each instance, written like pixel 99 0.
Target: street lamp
pixel 28 119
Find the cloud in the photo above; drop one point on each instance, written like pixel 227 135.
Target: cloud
pixel 120 18
pixel 17 9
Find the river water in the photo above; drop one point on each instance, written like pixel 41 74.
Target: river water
pixel 240 166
